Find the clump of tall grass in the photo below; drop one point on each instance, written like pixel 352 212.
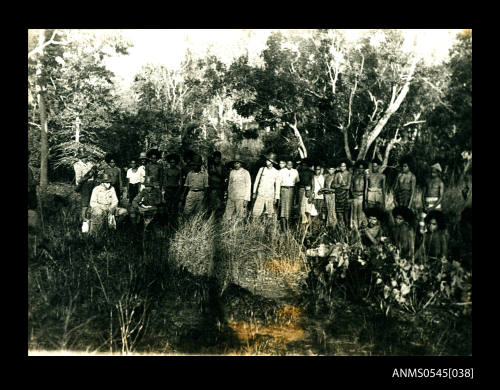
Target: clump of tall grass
pixel 193 245
pixel 259 257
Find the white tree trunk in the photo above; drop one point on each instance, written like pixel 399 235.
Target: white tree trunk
pixel 302 148
pixel 391 109
pixel 44 152
pixel 77 130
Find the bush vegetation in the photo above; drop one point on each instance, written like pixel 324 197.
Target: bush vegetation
pixel 215 287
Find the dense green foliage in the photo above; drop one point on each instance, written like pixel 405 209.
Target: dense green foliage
pixel 330 91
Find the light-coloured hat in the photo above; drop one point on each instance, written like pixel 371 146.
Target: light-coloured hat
pixel 237 158
pixel 105 178
pixel 271 157
pixel 148 182
pixel 143 156
pixel 437 167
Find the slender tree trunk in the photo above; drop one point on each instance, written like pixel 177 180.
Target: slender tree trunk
pixel 346 145
pixel 44 150
pixel 77 130
pixel 369 137
pixel 302 147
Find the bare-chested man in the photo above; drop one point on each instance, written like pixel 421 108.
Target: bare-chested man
pixel 404 191
pixel 375 188
pixel 358 189
pixel 434 190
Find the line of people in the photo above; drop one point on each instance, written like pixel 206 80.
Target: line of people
pixel 309 194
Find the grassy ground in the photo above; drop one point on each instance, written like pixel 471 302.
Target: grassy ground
pixel 205 287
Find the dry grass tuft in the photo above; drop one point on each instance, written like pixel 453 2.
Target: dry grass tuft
pixel 288 314
pixel 193 245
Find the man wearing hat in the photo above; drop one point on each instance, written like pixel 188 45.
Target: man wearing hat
pixel 135 177
pixel 172 183
pixel 289 177
pixel 85 173
pixel 434 190
pixel 195 186
pixel 115 173
pixel 305 195
pixel 143 161
pixel 154 169
pixel 238 191
pixel 146 202
pixel 266 188
pixel 104 204
pixel 217 178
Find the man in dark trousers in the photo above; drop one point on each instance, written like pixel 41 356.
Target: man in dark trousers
pixel 154 169
pixel 217 183
pixel 305 184
pixel 172 184
pixel 146 203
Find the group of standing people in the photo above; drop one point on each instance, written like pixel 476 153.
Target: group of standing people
pixel 316 195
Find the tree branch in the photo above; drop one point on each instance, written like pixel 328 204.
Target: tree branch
pixel 412 123
pixel 376 102
pixel 49 42
pixel 353 91
pixel 388 149
pixel 302 148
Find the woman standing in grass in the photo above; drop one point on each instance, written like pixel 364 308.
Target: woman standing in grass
pixel 342 184
pixel 329 193
pixel 318 197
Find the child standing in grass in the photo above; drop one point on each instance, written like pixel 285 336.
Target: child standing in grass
pixel 434 190
pixel 434 242
pixel 371 235
pixel 403 233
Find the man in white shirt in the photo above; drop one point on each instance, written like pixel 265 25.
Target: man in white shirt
pixel 104 204
pixel 288 177
pixel 135 177
pixel 84 180
pixel 143 160
pixel 238 191
pixel 318 198
pixel 266 189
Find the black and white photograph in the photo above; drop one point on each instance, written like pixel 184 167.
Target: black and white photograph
pixel 250 192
